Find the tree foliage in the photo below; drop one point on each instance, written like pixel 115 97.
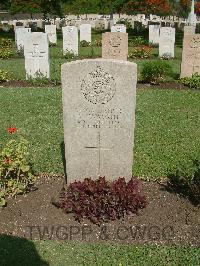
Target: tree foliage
pixel 60 7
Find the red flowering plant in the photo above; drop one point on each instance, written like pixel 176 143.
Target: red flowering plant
pixel 142 52
pixel 100 200
pixel 15 172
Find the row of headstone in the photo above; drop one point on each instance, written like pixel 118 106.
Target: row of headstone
pixel 164 37
pixel 36 48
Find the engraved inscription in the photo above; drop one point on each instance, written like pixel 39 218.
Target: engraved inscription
pixel 98 87
pixel 195 43
pixel 106 118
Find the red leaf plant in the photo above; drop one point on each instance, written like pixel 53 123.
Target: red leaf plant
pixel 101 200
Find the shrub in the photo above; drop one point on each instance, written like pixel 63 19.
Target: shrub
pixel 100 200
pixel 98 43
pixel 126 22
pixel 15 172
pixel 142 52
pixel 166 56
pixel 153 45
pixel 6 53
pixel 155 72
pixel 39 79
pixel 20 51
pixel 137 41
pixel 187 182
pixel 70 55
pixel 5 43
pixel 85 44
pixel 4 76
pixel 192 82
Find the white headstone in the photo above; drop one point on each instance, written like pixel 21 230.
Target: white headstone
pixel 51 32
pixel 70 39
pixel 166 42
pixel 154 34
pixel 118 28
pixel 85 32
pixel 99 116
pixel 21 35
pixel 36 51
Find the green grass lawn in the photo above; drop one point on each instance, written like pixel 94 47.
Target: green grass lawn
pixel 16 67
pixel 166 136
pixel 21 252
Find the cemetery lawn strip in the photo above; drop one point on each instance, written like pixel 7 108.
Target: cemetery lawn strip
pixel 54 253
pixel 166 135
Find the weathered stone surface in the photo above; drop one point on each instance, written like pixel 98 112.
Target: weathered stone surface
pixel 36 52
pixel 115 45
pixel 191 55
pixel 51 33
pixel 21 35
pixel 85 32
pixel 189 30
pixel 154 34
pixel 118 28
pixel 166 42
pixel 99 116
pixel 70 39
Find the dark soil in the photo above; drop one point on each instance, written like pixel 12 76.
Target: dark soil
pixel 167 219
pixel 25 83
pixel 164 85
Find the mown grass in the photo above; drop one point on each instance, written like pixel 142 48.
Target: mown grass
pixel 22 252
pixel 166 136
pixel 16 65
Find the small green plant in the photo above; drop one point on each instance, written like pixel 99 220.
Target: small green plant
pixel 5 43
pixel 126 22
pixel 52 44
pixel 39 79
pixel 20 51
pixel 4 76
pixel 70 56
pixel 16 176
pixel 85 43
pixel 6 53
pixel 155 72
pixel 137 41
pixel 187 182
pixel 142 52
pixel 153 45
pixel 192 82
pixel 166 56
pixel 98 43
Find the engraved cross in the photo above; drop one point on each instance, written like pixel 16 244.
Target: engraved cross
pixel 99 148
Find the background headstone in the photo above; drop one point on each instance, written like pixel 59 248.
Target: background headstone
pixel 99 116
pixel 85 32
pixel 118 28
pixel 36 51
pixel 166 42
pixel 70 39
pixel 154 34
pixel 115 45
pixel 191 55
pixel 21 35
pixel 51 33
pixel 189 30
